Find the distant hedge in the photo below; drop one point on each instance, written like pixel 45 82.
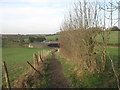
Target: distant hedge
pixel 115 28
pixel 37 39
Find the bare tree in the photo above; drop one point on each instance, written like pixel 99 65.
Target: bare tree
pixel 78 34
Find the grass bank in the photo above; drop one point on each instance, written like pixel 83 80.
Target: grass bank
pixel 104 79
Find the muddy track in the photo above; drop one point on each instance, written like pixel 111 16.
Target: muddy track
pixel 58 78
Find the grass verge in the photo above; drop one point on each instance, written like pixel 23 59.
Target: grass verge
pixel 104 79
pixel 45 81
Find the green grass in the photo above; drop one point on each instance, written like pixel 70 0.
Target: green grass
pixel 10 43
pixel 68 72
pixel 45 80
pixel 16 60
pixel 52 37
pixel 113 37
pixel 97 80
pixel 114 54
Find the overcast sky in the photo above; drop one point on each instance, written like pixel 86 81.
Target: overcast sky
pixel 32 16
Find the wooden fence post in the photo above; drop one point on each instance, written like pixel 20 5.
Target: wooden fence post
pixel 6 76
pixel 34 60
pixel 42 54
pixel 40 57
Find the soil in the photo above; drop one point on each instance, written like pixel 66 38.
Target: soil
pixel 58 78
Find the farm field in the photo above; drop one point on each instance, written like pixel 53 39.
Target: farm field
pixel 16 59
pixel 114 39
pixel 11 43
pixel 52 37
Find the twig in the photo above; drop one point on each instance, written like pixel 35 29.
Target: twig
pixel 6 76
pixel 34 68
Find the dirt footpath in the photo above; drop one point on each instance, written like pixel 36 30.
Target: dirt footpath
pixel 58 78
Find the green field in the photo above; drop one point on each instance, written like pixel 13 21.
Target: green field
pixel 16 60
pixel 113 37
pixel 52 37
pixel 10 43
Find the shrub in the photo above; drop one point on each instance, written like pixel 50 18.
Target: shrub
pixel 115 28
pixel 37 39
pixel 77 38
